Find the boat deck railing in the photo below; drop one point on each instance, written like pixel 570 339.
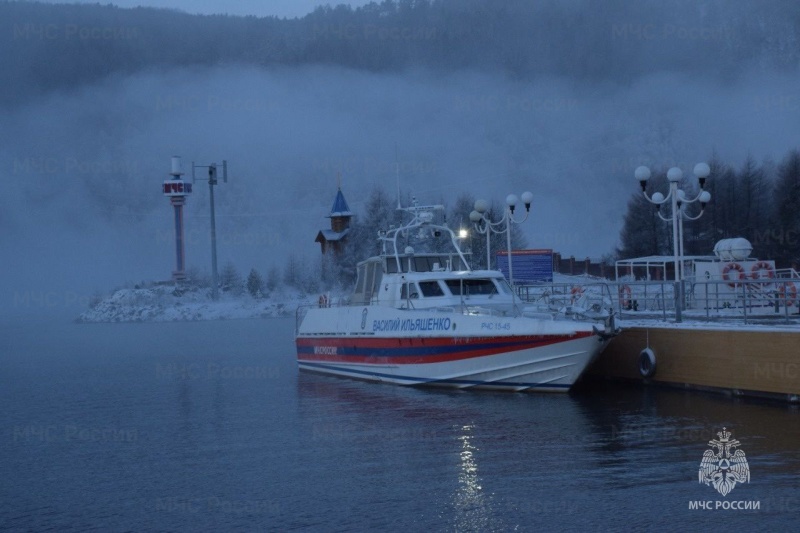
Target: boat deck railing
pixel 746 300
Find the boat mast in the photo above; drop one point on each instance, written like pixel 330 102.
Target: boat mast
pixel 397 175
pixel 422 216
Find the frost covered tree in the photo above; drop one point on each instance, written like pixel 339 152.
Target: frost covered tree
pixel 196 278
pixel 311 279
pixel 255 284
pixel 273 278
pixel 459 215
pixel 230 279
pixel 293 272
pixel 380 213
pixel 335 273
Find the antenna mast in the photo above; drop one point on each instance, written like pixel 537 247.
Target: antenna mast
pixel 212 180
pixel 397 175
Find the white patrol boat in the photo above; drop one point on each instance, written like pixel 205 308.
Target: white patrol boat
pixel 428 319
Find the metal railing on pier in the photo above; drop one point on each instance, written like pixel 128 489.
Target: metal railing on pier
pixel 745 300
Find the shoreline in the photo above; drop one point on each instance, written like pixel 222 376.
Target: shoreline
pixel 163 303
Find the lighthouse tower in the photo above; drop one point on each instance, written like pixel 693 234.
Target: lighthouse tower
pixel 177 190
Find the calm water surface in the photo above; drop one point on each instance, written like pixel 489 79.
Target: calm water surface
pixel 207 425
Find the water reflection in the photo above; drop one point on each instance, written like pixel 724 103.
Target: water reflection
pixel 499 461
pixel 646 433
pixel 469 501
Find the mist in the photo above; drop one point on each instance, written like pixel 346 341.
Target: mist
pixel 82 209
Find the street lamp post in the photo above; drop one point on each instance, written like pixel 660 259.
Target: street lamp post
pixel 678 200
pixel 704 197
pixel 480 218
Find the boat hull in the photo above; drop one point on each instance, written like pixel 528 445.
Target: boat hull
pixel 516 354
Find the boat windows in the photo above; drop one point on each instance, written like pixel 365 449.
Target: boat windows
pixel 360 280
pixel 431 288
pixel 503 286
pixel 471 287
pixel 409 290
pixel 424 263
pixel 368 282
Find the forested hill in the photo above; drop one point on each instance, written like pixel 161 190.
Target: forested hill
pixel 49 47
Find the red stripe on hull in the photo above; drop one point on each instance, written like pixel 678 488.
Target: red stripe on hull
pixel 431 349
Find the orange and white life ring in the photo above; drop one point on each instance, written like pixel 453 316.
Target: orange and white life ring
pixel 625 297
pixel 730 277
pixel 788 293
pixel 576 292
pixel 762 269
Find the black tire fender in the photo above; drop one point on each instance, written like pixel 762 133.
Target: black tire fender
pixel 647 363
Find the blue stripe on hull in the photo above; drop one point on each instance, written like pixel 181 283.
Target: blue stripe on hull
pixel 433 349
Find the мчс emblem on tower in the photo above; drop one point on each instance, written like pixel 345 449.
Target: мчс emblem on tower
pixel 724 468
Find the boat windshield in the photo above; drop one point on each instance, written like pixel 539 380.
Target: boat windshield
pixel 430 288
pixel 424 263
pixel 471 287
pixel 505 288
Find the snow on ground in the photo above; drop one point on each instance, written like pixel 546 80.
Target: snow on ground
pixel 166 303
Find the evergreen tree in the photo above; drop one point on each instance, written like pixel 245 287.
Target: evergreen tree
pixel 254 283
pixel 514 37
pixel 195 278
pixel 474 244
pixel 293 272
pixel 763 239
pixel 311 279
pixel 230 279
pixel 786 227
pixel 362 242
pixel 720 220
pixel 740 207
pixel 643 232
pixel 336 271
pixel 753 205
pixel 273 278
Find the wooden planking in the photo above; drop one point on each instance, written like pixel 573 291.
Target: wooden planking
pixel 739 360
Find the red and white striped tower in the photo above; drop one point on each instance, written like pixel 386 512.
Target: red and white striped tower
pixel 177 190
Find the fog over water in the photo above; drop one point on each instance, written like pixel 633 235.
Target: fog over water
pixel 82 209
pixel 278 8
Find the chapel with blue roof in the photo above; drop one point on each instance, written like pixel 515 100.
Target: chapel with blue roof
pixel 332 240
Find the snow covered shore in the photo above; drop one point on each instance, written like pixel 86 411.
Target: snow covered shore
pixel 166 303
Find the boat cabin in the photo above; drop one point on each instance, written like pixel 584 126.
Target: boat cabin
pixel 427 281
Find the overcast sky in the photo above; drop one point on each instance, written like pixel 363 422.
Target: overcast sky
pixel 261 8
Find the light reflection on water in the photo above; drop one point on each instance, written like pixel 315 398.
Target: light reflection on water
pixel 470 502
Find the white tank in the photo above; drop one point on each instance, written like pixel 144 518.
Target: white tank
pixel 736 249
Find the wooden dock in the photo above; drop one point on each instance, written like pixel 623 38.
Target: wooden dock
pixel 753 362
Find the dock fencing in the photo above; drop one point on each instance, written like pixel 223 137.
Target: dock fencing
pixel 746 300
